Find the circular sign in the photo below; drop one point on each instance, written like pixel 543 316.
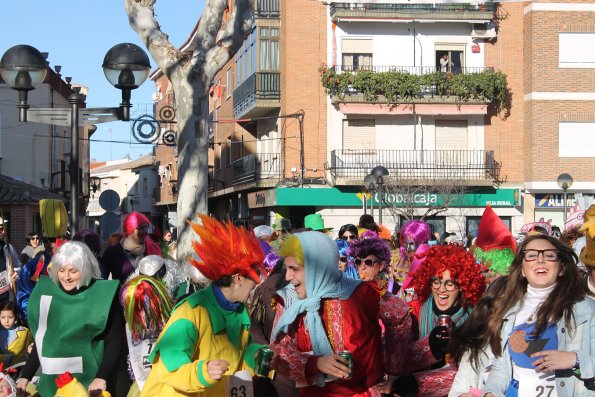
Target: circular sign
pixel 167 113
pixel 146 129
pixel 169 138
pixel 109 200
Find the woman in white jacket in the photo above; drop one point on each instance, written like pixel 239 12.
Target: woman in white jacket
pixel 469 346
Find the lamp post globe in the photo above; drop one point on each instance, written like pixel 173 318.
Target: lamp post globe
pixel 23 67
pixel 565 182
pixel 379 172
pixel 126 66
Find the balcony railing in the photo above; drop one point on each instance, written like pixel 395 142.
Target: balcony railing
pixel 255 167
pixel 429 11
pixel 267 9
pixel 416 70
pixel 259 86
pixel 420 165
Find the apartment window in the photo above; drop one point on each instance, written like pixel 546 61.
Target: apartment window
pixel 145 187
pixel 359 134
pixel 269 49
pixel 576 140
pixel 229 83
pixel 246 59
pixel 451 141
pixel 437 223
pixel 357 54
pixel 450 58
pixel 575 50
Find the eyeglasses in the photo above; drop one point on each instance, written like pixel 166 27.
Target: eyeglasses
pixel 550 255
pixel 349 237
pixel 343 259
pixel 449 285
pixel 368 262
pixel 144 227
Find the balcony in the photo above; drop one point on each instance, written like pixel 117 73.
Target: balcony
pixel 256 96
pixel 256 168
pixel 463 12
pixel 267 9
pixel 394 85
pixel 416 167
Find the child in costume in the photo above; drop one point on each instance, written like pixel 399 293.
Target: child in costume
pixel 207 340
pixel 7 386
pixel 14 338
pixel 147 306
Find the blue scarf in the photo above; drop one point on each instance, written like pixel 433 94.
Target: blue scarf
pixel 428 319
pixel 222 300
pixel 323 280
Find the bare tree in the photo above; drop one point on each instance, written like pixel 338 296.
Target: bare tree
pixel 191 73
pixel 404 198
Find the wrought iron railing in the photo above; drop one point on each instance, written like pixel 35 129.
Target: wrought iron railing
pixel 260 85
pixel 267 9
pixel 255 167
pixel 416 70
pixel 415 164
pixel 414 10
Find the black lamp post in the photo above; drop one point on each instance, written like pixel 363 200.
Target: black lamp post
pixel 126 66
pixel 565 182
pixel 370 184
pixel 379 172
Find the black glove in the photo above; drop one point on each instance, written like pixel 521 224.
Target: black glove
pixel 439 338
pixel 405 386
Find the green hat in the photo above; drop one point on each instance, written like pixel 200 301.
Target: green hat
pixel 315 222
pixel 282 224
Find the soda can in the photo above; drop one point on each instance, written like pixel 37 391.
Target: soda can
pixel 346 354
pixel 263 361
pixel 444 320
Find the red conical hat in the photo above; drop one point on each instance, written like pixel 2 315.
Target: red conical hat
pixel 493 233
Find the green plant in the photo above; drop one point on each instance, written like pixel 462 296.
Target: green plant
pixel 399 87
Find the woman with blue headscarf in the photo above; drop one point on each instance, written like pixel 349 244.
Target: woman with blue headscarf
pixel 321 312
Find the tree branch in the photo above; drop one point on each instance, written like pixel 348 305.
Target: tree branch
pixel 141 17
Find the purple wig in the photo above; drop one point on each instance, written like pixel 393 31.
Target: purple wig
pixel 270 257
pixel 418 231
pixel 370 246
pixel 90 238
pixel 343 247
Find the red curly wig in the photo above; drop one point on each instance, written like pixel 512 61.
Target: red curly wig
pixel 225 250
pixel 462 267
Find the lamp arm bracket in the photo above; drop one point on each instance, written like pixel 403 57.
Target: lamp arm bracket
pixel 61 116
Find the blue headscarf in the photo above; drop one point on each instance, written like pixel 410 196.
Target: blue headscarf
pixel 323 280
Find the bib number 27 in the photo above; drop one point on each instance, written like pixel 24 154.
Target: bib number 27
pixel 544 391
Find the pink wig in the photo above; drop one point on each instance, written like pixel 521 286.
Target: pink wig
pixel 418 231
pixel 133 221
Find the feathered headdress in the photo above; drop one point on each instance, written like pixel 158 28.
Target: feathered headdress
pixel 495 244
pixel 225 250
pixel 147 306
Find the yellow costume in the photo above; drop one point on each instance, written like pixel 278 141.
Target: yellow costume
pixel 13 345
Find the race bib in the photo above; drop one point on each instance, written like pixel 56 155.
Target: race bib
pixel 4 283
pixel 240 384
pixel 530 385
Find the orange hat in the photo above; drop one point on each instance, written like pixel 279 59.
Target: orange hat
pixel 225 250
pixel 493 233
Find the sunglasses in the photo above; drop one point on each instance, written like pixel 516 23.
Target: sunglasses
pixel 34 238
pixel 343 259
pixel 368 262
pixel 349 237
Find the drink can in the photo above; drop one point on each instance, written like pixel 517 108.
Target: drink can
pixel 444 320
pixel 346 354
pixel 263 361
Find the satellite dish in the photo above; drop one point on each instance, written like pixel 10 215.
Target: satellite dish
pixel 109 200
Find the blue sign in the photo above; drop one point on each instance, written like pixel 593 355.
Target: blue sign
pixel 553 200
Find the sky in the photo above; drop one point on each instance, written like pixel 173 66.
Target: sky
pixel 77 34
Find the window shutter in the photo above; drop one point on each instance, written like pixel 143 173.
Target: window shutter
pixel 357 46
pixel 359 134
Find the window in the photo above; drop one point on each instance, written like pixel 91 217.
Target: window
pixel 576 140
pixel 357 54
pixel 229 83
pixel 437 223
pixel 145 187
pixel 269 49
pixel 472 224
pixel 359 134
pixel 450 58
pixel 575 50
pixel 451 136
pixel 246 59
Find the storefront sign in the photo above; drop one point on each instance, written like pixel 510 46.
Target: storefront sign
pixel 553 200
pixel 264 198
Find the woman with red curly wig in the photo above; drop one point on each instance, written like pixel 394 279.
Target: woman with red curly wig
pixel 449 282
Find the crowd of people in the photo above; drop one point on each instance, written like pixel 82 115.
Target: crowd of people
pixel 297 312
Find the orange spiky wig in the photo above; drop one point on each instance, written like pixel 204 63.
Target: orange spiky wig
pixel 225 250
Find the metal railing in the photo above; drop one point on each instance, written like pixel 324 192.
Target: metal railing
pixel 267 9
pixel 415 164
pixel 423 10
pixel 255 167
pixel 416 70
pixel 260 85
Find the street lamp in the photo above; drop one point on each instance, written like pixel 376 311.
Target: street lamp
pixel 126 66
pixel 370 184
pixel 565 182
pixel 378 173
